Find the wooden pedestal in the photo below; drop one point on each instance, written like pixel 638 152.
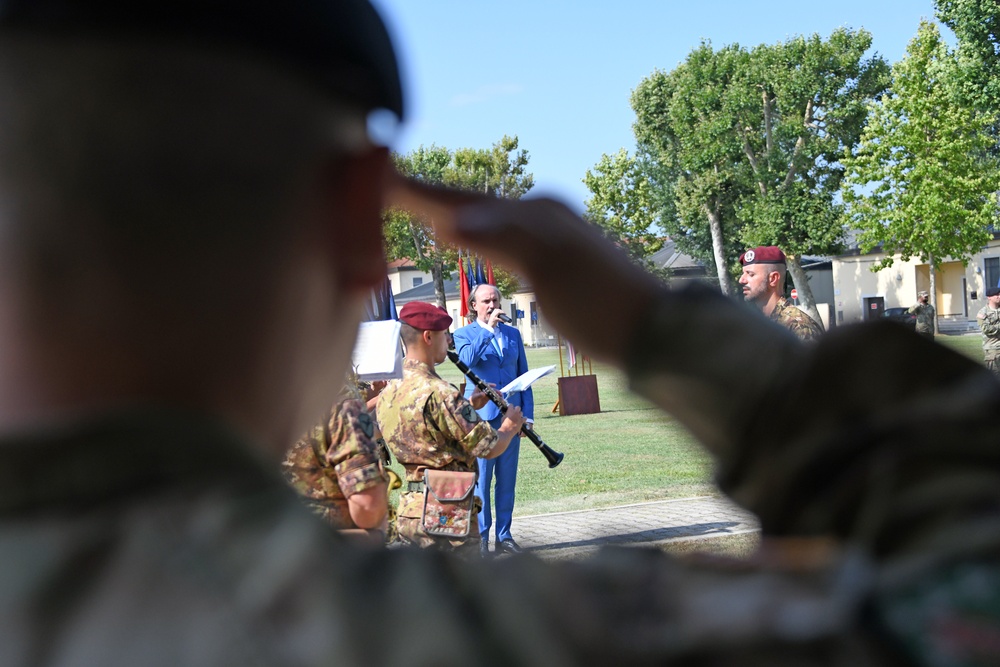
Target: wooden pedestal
pixel 578 395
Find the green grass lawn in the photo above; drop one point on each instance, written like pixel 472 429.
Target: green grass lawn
pixel 970 345
pixel 627 453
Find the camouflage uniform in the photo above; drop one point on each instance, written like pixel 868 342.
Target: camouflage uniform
pixel 427 424
pixel 795 320
pixel 160 538
pixel 335 460
pixel 989 324
pixel 925 318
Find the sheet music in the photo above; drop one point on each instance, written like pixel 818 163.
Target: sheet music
pixel 524 381
pixel 378 354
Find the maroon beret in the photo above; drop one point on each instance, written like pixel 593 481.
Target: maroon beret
pixel 425 316
pixel 763 254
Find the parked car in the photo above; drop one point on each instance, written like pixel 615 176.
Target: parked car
pixel 901 316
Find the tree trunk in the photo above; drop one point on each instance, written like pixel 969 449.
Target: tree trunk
pixel 933 289
pixel 718 250
pixel 801 282
pixel 437 273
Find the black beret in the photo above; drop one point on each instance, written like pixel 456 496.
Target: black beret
pixel 992 291
pixel 763 254
pixel 341 44
pixel 425 316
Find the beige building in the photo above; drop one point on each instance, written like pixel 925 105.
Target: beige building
pixel 404 275
pixel 860 294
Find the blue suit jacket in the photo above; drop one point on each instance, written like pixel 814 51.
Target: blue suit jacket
pixel 475 348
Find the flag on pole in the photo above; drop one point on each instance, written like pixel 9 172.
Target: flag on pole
pixel 480 275
pixel 470 275
pixel 463 290
pixel 489 273
pixel 387 302
pixel 570 354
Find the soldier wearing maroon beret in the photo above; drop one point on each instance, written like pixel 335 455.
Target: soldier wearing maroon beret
pixel 763 282
pixel 428 425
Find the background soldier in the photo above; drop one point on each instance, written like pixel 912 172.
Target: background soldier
pixel 988 319
pixel 336 467
pixel 925 315
pixel 763 281
pixel 427 423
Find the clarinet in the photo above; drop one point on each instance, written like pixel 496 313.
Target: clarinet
pixel 553 457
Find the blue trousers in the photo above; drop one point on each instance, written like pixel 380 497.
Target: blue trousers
pixel 504 468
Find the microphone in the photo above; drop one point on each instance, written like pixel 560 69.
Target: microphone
pixel 503 317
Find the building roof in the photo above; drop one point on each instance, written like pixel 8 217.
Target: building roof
pixel 404 263
pixel 669 257
pixel 425 292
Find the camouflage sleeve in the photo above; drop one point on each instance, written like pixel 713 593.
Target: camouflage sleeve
pixel 352 450
pixel 303 466
pixel 458 421
pixel 805 329
pixel 989 321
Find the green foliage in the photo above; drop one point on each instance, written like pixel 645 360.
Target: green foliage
pixel 977 25
pixel 500 170
pixel 922 182
pixel 746 144
pixel 684 134
pixel 799 105
pixel 621 204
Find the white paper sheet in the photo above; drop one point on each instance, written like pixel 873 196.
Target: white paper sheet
pixel 524 381
pixel 378 354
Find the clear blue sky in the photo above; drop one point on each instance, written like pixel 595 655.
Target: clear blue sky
pixel 558 73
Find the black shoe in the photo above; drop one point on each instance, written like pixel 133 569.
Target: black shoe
pixel 484 548
pixel 509 546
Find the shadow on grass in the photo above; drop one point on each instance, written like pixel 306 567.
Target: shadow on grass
pixel 719 528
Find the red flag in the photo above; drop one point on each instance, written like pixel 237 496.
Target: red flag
pixel 463 290
pixel 489 274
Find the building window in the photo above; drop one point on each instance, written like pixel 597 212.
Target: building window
pixel 418 281
pixel 991 271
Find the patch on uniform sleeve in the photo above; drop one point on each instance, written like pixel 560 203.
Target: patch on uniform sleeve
pixel 366 425
pixel 469 414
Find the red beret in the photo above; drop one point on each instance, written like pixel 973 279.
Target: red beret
pixel 425 316
pixel 763 254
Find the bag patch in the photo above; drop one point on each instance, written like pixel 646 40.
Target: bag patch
pixel 448 502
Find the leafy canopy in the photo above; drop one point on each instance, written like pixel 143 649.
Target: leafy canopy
pixel 921 183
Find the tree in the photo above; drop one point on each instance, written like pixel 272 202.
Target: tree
pixel 412 238
pixel 684 135
pixel 751 141
pixel 500 170
pixel 621 204
pixel 916 184
pixel 799 105
pixel 976 24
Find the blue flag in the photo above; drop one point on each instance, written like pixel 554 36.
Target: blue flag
pixel 480 274
pixel 383 304
pixel 470 276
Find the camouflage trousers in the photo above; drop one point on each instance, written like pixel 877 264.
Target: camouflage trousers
pixel 992 362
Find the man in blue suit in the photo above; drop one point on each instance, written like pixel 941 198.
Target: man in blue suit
pixel 495 352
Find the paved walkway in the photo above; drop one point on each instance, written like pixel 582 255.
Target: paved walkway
pixel 570 534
